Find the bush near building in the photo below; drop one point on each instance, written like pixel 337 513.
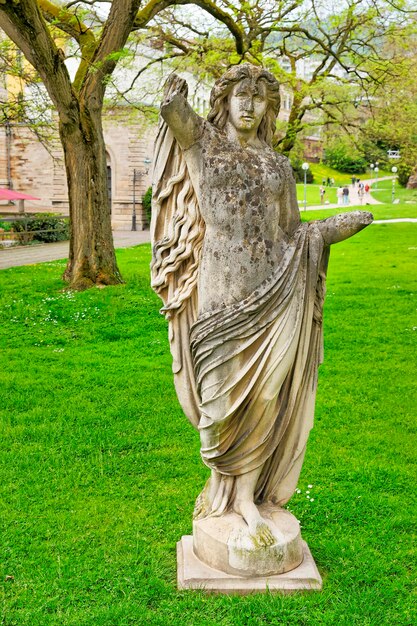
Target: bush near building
pixel 147 203
pixel 42 227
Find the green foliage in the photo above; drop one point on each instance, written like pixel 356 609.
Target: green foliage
pixel 299 172
pixel 119 55
pixel 44 227
pixel 404 172
pixel 147 203
pixel 5 225
pixel 344 159
pixel 100 468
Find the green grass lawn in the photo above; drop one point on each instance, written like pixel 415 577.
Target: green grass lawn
pixel 380 212
pixel 383 193
pixel 313 195
pixel 321 172
pixel 100 469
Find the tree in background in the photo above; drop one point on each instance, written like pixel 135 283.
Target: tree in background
pixel 328 61
pixel 393 125
pixel 32 26
pixel 384 118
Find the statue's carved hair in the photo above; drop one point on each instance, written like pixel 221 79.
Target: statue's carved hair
pixel 219 97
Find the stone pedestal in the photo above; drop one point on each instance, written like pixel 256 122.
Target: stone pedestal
pixel 222 556
pixel 193 574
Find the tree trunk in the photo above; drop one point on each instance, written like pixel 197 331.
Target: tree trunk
pixel 286 144
pixel 92 260
pixel 412 181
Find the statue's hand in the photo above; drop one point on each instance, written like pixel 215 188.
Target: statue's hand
pixel 176 112
pixel 342 226
pixel 173 85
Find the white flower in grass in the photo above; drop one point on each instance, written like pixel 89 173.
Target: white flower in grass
pixel 310 486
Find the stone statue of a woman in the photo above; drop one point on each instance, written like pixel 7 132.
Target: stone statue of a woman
pixel 242 281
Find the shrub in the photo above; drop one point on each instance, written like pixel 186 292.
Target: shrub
pixel 44 227
pixel 340 158
pixel 404 173
pixel 6 226
pixel 147 203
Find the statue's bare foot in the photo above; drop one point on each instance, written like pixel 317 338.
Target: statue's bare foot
pixel 259 529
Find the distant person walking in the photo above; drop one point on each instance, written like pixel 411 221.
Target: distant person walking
pixel 346 195
pixel 339 194
pixel 322 192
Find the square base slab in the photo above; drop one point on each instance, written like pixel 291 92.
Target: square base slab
pixel 193 574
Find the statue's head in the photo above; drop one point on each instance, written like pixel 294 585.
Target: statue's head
pixel 230 91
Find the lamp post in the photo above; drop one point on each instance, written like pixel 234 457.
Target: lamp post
pixel 376 173
pixel 376 170
pixel 9 135
pixel 305 167
pixel 371 166
pixel 137 175
pixel 394 171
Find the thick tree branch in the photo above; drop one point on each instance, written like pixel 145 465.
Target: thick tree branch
pixel 155 6
pixel 70 23
pixel 26 27
pixel 113 38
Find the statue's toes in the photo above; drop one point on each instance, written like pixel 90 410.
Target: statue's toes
pixel 266 538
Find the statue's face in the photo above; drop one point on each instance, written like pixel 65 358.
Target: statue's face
pixel 247 105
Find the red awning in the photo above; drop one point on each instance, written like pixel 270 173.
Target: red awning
pixel 10 194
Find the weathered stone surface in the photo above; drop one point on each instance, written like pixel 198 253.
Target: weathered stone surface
pixel 225 543
pixel 193 574
pixel 243 284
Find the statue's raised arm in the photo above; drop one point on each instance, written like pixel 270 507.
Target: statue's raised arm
pixel 183 121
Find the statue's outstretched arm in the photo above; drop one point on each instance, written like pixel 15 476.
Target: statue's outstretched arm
pixel 185 124
pixel 342 226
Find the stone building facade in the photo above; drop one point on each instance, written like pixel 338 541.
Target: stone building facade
pixel 28 166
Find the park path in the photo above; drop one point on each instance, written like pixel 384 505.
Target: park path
pixel 28 255
pixel 354 199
